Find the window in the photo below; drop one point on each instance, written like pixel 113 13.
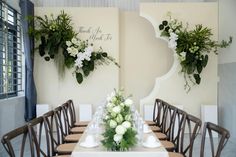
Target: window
pixel 10 52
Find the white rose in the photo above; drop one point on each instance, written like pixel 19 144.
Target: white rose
pixel 117 137
pixel 116 109
pixel 113 99
pixel 68 43
pixel 107 117
pixel 109 105
pixel 128 102
pixel 128 117
pixel 113 115
pixel 122 104
pixel 119 118
pixel 74 41
pixel 120 130
pixel 113 124
pixel 69 50
pixel 126 124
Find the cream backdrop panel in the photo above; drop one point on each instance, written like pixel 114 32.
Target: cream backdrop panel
pixel 90 22
pixel 143 57
pixel 170 87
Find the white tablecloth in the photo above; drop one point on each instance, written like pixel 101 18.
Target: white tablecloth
pixel 100 151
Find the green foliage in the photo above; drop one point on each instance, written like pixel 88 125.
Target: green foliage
pixel 193 47
pixel 51 34
pixel 129 140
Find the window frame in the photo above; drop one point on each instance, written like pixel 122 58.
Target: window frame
pixel 11 30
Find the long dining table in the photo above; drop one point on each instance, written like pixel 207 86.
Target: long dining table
pixel 99 151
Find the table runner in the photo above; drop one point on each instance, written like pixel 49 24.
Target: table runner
pixel 100 151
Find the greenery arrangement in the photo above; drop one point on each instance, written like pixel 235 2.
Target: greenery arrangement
pixel 191 46
pixel 120 134
pixel 57 40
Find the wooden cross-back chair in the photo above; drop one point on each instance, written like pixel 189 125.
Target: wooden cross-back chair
pixel 224 135
pixel 73 116
pixel 192 126
pixel 60 145
pixel 71 128
pixel 21 136
pixel 39 137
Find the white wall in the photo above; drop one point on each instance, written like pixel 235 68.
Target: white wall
pixel 170 87
pixel 227 67
pixel 11 115
pixel 143 57
pixel 53 90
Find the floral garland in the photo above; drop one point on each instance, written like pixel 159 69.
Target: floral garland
pixel 57 40
pixel 120 134
pixel 191 46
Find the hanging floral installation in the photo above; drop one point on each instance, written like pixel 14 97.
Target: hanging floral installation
pixel 191 46
pixel 57 40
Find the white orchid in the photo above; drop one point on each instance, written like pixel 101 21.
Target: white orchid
pixel 120 130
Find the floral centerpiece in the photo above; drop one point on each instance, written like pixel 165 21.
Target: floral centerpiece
pixel 120 134
pixel 191 46
pixel 56 39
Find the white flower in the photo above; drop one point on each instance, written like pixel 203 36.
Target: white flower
pixel 74 41
pixel 182 56
pixel 109 105
pixel 120 130
pixel 79 63
pixel 114 99
pixel 87 53
pixel 128 102
pixel 113 114
pixel 117 138
pixel 68 43
pixel 173 36
pixel 69 50
pixel 113 124
pixel 72 51
pixel 109 97
pixel 119 118
pixel 172 44
pixel 128 117
pixel 107 117
pixel 122 104
pixel 116 109
pixel 126 124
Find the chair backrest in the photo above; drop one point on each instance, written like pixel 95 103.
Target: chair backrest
pixel 67 117
pixel 50 126
pixel 72 111
pixel 223 138
pixel 18 138
pixel 192 127
pixel 61 125
pixel 39 137
pixel 177 128
pixel 169 120
pixel 159 110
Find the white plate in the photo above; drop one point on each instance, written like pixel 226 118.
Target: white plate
pixel 86 145
pixel 147 131
pixel 152 145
